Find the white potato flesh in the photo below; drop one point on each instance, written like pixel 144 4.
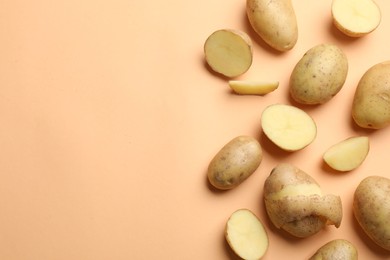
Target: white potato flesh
pixel 288 127
pixel 247 87
pixel 356 17
pixel 246 235
pixel 229 52
pixel 348 154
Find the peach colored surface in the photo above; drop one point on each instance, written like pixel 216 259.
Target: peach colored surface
pixel 109 118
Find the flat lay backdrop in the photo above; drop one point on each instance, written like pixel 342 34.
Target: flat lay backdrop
pixel 109 117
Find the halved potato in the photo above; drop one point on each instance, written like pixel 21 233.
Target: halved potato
pixel 247 87
pixel 229 52
pixel 347 154
pixel 246 235
pixel 356 18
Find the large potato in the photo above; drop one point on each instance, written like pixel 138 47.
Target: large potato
pixel 235 162
pixel 371 207
pixel 294 202
pixel 319 75
pixel 338 249
pixel 274 21
pixel 371 103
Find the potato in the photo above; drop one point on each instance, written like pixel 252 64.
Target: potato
pixel 319 75
pixel 295 203
pixel 246 235
pixel 348 154
pixel 246 87
pixel 371 102
pixel 371 207
pixel 356 18
pixel 338 249
pixel 235 162
pixel 274 21
pixel 289 127
pixel 229 52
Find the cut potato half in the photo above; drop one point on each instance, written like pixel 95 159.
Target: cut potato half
pixel 246 235
pixel 348 154
pixel 356 18
pixel 229 52
pixel 246 87
pixel 288 127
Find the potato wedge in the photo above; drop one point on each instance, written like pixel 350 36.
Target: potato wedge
pixel 288 127
pixel 246 87
pixel 348 154
pixel 246 235
pixel 356 18
pixel 229 52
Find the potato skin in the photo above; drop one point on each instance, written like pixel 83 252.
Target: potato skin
pixel 336 249
pixel 371 207
pixel 274 21
pixel 371 103
pixel 235 162
pixel 319 75
pixel 298 212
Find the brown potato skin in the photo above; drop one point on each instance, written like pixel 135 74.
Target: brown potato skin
pixel 319 75
pixel 235 162
pixel 371 103
pixel 371 207
pixel 300 215
pixel 336 249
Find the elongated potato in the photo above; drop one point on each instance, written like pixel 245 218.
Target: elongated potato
pixel 274 21
pixel 319 75
pixel 371 103
pixel 338 249
pixel 235 162
pixel 295 203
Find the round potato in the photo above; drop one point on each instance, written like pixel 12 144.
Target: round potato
pixel 336 249
pixel 319 75
pixel 235 162
pixel 274 21
pixel 294 202
pixel 371 207
pixel 371 103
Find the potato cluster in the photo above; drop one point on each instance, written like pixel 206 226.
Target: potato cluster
pixel 295 203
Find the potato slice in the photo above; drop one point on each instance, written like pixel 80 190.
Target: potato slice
pixel 348 154
pixel 288 127
pixel 246 235
pixel 356 18
pixel 246 87
pixel 229 52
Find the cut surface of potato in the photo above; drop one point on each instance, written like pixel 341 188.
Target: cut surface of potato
pixel 246 87
pixel 229 52
pixel 356 18
pixel 246 235
pixel 288 127
pixel 347 154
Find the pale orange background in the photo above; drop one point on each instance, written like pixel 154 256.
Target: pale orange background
pixel 109 118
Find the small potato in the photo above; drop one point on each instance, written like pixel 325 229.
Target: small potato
pixel 229 52
pixel 274 21
pixel 371 207
pixel 371 103
pixel 235 162
pixel 356 18
pixel 338 249
pixel 319 75
pixel 246 235
pixel 294 202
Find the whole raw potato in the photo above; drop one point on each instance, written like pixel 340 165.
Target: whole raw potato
pixel 274 21
pixel 235 162
pixel 371 207
pixel 371 103
pixel 338 249
pixel 294 202
pixel 319 75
